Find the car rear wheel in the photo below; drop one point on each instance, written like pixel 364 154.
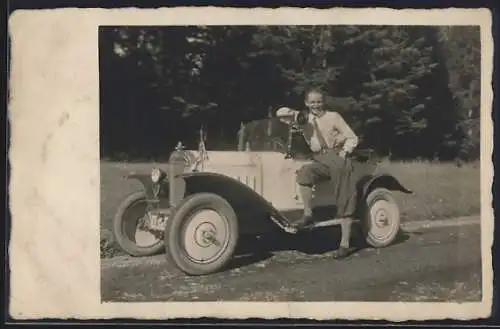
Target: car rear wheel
pixel 382 218
pixel 202 234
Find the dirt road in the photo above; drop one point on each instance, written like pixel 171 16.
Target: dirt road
pixel 436 264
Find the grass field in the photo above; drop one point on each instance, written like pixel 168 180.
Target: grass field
pixel 441 190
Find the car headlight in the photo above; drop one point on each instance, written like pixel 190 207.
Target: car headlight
pixel 156 175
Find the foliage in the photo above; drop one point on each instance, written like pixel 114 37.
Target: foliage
pixel 407 91
pixel 461 47
pixel 107 246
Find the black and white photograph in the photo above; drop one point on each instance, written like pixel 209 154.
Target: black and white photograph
pixel 279 157
pixel 290 163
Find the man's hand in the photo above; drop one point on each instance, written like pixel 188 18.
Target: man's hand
pixel 343 154
pixel 301 118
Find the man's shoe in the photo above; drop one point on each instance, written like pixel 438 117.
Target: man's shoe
pixel 343 252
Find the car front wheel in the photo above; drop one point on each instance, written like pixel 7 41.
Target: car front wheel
pixel 202 234
pixel 382 218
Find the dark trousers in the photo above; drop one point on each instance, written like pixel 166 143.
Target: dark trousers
pixel 324 167
pixel 331 166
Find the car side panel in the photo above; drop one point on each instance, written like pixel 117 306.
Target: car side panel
pixel 245 167
pixel 279 184
pixel 253 210
pixel 269 174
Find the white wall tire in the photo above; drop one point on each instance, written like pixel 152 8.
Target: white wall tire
pixel 202 234
pixel 382 220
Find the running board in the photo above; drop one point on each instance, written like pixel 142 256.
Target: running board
pixel 285 225
pixel 291 229
pixel 330 222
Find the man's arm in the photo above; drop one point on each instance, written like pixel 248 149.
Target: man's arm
pixel 351 139
pixel 289 115
pixel 286 114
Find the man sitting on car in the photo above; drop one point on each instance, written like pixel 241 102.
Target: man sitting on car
pixel 331 139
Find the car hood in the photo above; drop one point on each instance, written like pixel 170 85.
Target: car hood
pixel 223 159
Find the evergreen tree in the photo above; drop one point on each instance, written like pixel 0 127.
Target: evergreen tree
pixel 391 83
pixel 461 51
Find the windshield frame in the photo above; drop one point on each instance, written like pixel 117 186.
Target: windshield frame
pixel 265 134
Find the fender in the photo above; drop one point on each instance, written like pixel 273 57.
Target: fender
pixel 368 183
pixel 153 191
pixel 252 209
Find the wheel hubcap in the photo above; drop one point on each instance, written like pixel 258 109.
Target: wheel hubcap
pixel 205 236
pixel 382 218
pixel 381 213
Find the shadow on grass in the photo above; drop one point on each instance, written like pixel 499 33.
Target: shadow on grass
pixel 255 249
pixel 243 260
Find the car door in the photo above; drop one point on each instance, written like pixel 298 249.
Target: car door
pixel 290 167
pixel 322 191
pixel 292 204
pixel 278 181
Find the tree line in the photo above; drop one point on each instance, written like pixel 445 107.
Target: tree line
pixel 407 91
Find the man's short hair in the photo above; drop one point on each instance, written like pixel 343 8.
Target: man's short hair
pixel 312 90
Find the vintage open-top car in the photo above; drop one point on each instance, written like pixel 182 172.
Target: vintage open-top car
pixel 199 206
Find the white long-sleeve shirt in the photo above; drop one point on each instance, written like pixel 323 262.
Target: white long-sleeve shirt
pixel 332 128
pixel 336 132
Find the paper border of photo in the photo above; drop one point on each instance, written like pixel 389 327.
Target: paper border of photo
pixel 54 183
